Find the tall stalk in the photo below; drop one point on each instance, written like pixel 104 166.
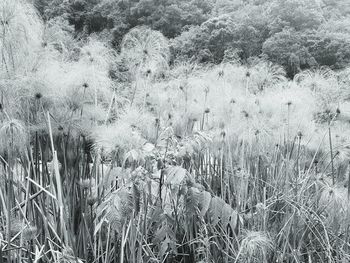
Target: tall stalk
pixel 331 148
pixel 10 194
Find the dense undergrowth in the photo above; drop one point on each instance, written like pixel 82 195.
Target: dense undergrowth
pixel 193 163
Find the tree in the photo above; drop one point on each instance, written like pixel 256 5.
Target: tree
pixel 287 49
pixel 296 14
pixel 244 30
pixel 330 48
pixel 215 36
pixel 336 8
pixel 188 43
pixel 251 30
pixel 226 6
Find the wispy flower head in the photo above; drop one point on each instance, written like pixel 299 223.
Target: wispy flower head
pixel 58 37
pixel 13 135
pixel 266 75
pixel 143 48
pixel 118 137
pixel 256 245
pixel 97 53
pixel 141 120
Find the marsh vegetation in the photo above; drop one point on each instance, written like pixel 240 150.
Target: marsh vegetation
pixel 132 155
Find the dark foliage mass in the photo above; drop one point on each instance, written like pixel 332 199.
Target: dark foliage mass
pixel 296 34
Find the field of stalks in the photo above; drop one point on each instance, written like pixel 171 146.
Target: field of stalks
pixel 121 157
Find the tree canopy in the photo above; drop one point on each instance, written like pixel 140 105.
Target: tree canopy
pixel 296 34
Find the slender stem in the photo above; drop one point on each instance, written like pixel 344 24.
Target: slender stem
pixel 331 150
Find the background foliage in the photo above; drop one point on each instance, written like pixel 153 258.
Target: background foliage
pixel 296 34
